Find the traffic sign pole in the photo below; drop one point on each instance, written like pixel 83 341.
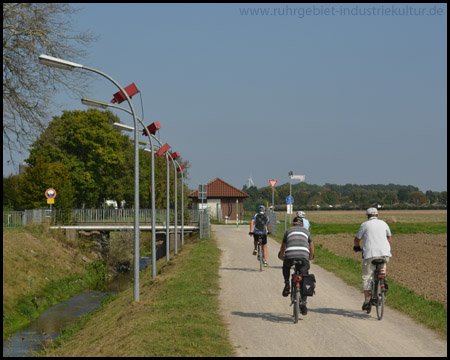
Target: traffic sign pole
pixel 50 194
pixel 273 183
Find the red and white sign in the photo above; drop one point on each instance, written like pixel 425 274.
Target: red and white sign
pixel 50 193
pixel 273 183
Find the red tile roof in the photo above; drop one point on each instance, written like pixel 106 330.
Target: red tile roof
pixel 219 189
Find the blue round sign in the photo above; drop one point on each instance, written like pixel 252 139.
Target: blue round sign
pixel 289 200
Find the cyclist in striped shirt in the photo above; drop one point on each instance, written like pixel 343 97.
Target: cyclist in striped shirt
pixel 297 244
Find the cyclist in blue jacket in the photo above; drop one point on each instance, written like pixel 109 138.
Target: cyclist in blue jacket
pixel 260 225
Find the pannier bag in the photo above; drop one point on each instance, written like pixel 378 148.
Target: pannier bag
pixel 308 284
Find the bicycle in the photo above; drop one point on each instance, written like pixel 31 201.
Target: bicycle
pixel 378 290
pixel 260 255
pixel 296 289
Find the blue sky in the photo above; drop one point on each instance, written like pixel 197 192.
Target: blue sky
pixel 343 94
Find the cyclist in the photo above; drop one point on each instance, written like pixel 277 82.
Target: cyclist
pixel 297 245
pixel 376 245
pixel 306 224
pixel 260 225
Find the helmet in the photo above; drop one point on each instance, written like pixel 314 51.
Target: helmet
pixel 300 214
pixel 261 208
pixel 372 211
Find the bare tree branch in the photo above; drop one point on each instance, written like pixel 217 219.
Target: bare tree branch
pixel 31 29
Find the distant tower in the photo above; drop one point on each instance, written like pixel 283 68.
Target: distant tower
pixel 250 181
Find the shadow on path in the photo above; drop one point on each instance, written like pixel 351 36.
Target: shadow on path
pixel 278 318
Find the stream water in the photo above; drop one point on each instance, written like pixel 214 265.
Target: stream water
pixel 50 323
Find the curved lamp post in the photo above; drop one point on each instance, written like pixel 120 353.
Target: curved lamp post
pixel 180 170
pixel 104 105
pixel 68 65
pixel 177 168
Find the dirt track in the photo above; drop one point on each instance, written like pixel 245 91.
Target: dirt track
pixel 260 319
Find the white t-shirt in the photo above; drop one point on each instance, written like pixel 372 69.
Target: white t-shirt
pixel 375 232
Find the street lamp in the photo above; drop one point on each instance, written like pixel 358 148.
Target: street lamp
pixel 163 150
pixel 68 65
pixel 180 170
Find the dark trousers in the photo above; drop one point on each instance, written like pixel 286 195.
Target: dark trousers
pixel 287 264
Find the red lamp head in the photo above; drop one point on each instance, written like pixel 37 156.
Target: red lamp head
pixel 163 149
pixel 152 128
pixel 130 90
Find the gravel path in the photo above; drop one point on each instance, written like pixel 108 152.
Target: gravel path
pixel 260 319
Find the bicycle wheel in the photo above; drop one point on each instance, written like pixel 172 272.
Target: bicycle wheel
pixel 261 257
pixel 380 301
pixel 296 305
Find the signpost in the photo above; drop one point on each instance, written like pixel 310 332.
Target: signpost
pixel 290 206
pixel 202 193
pixel 273 183
pixel 50 194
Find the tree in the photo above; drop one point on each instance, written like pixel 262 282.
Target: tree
pixel 403 195
pixel 94 153
pixel 31 29
pixel 42 176
pixel 10 193
pixel 418 198
pixel 443 197
pixel 100 160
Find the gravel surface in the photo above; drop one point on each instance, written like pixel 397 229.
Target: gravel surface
pixel 260 319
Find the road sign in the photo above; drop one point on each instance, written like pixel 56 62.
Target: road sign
pixel 273 183
pixel 298 177
pixel 50 201
pixel 289 209
pixel 289 200
pixel 50 193
pixel 202 191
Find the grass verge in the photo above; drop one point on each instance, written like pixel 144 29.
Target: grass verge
pixel 396 228
pixel 177 315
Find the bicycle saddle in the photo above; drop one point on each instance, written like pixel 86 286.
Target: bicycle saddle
pixel 378 261
pixel 297 262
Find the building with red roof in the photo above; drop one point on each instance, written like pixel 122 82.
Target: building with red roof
pixel 221 199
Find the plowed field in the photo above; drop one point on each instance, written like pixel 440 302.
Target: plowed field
pixel 419 261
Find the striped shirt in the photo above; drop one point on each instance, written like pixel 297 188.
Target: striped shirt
pixel 297 240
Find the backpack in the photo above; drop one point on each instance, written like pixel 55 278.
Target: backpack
pixel 260 223
pixel 308 284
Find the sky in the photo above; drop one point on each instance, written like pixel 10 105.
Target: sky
pixel 340 93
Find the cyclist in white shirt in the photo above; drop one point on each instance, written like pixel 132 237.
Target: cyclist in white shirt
pixel 306 224
pixel 376 245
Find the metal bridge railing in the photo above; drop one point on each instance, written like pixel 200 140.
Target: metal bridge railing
pixel 12 219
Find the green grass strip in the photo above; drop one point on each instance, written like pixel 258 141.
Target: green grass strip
pixel 186 320
pixel 396 228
